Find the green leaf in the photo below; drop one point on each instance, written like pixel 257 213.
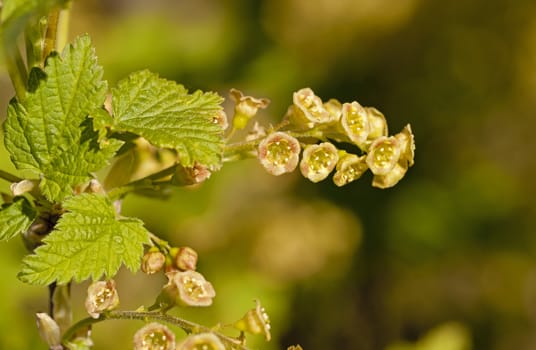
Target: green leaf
pixel 49 131
pixel 167 116
pixel 15 218
pixel 90 240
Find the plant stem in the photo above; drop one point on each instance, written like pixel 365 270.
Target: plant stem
pixel 187 326
pixel 16 70
pixel 9 177
pixel 62 28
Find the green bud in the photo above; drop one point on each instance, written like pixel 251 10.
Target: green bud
pixel 318 161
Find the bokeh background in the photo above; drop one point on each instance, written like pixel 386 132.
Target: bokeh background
pixel 443 261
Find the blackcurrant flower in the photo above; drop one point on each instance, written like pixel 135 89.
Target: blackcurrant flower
pixel 407 145
pixel 255 321
pixel 354 121
pixel 309 108
pixel 101 296
pixel 188 288
pixel 383 155
pixel 22 187
pixel 391 178
pixel 246 107
pixel 186 259
pixel 279 153
pixel 201 341
pixel 349 168
pixel 377 123
pixel 49 331
pixel 334 108
pixel 154 336
pixel 318 161
pixel 153 261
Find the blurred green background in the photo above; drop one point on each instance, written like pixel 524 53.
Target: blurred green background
pixel 443 261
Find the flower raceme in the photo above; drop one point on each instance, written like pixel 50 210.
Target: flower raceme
pixel 309 120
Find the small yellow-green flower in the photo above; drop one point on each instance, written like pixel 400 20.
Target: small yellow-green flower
pixel 154 336
pixel 349 168
pixel 377 123
pixel 255 321
pixel 318 161
pixel 355 123
pixel 309 109
pixel 279 153
pixel 246 107
pixel 101 296
pixel 187 288
pixel 383 155
pixel 201 341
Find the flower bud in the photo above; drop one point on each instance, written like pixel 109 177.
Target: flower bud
pixel 101 296
pixel 318 161
pixel 186 259
pixel 49 331
pixel 349 168
pixel 154 336
pixel 279 153
pixel 22 187
pixel 354 120
pixel 255 321
pixel 377 123
pixel 246 107
pixel 308 109
pixel 383 155
pixel 152 262
pixel 205 341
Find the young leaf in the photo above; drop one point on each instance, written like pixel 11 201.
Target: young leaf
pixel 90 240
pixel 15 218
pixel 49 132
pixel 165 114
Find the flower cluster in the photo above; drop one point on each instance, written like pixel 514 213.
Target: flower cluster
pixel 309 120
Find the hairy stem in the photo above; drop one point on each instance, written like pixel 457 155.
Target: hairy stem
pixel 187 326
